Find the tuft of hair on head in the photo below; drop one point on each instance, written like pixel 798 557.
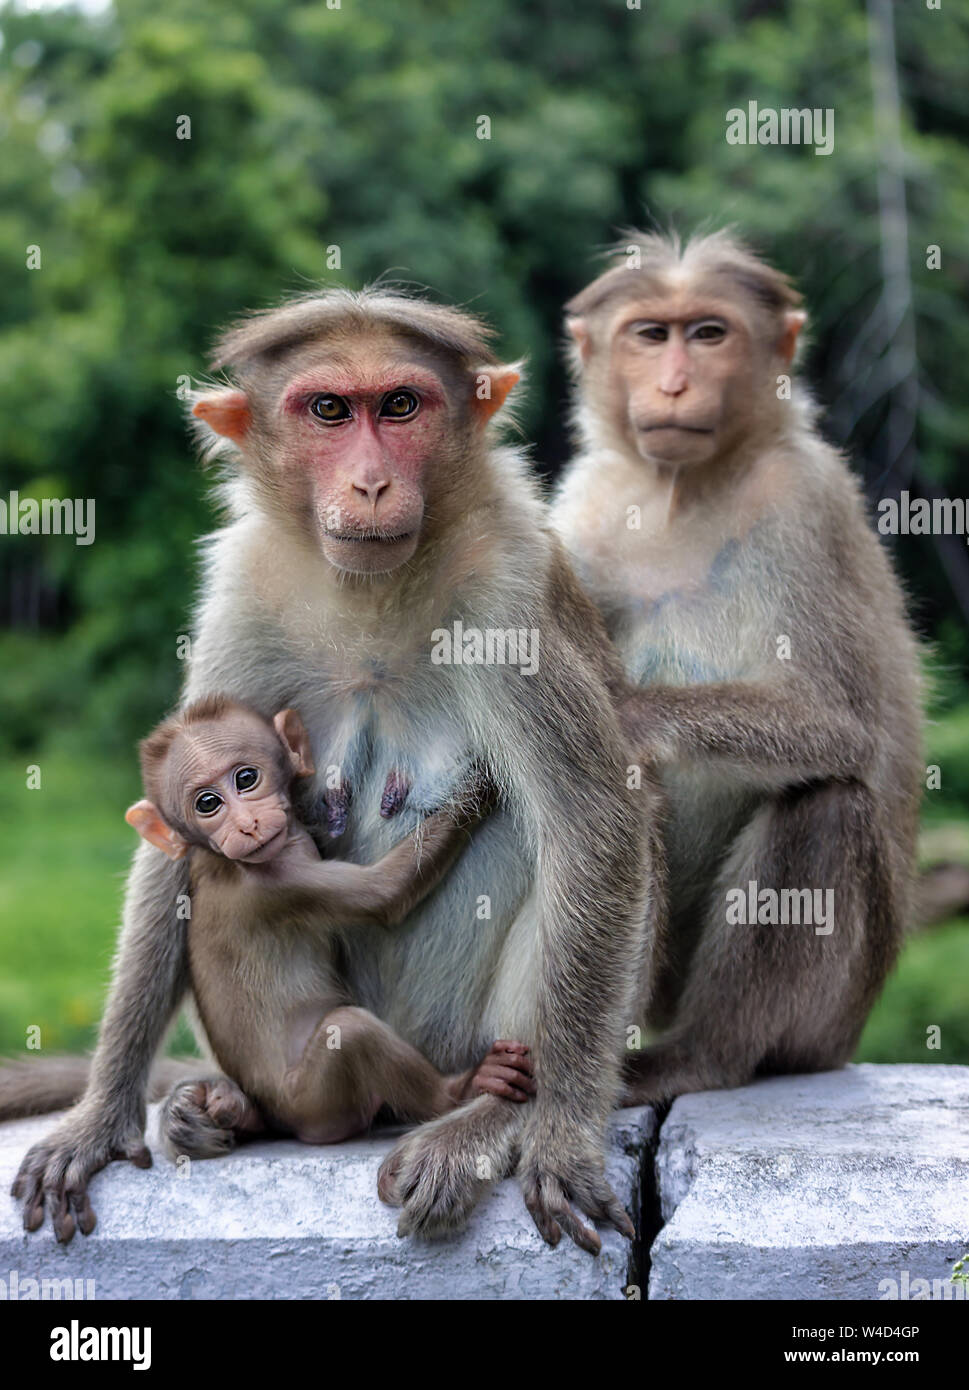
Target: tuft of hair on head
pixel 210 709
pixel 260 336
pixel 642 261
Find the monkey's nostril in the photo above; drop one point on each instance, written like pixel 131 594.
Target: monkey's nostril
pixel 372 491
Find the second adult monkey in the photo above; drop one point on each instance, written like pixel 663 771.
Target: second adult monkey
pixel 727 547
pixel 297 1053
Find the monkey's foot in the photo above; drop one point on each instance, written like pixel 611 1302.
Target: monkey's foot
pixel 552 1185
pixel 205 1118
pixel 670 1069
pixel 439 1172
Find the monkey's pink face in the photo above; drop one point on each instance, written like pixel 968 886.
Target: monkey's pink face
pixel 683 368
pixel 364 441
pixel 231 794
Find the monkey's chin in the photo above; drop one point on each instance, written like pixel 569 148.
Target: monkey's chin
pixel 266 851
pixel 373 555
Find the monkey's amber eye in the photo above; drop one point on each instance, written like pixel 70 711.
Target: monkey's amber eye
pixel 653 332
pixel 246 778
pixel 709 332
pixel 330 409
pixel 399 404
pixel 207 803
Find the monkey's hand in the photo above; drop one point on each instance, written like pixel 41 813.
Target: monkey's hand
pixel 506 1071
pixel 556 1176
pixel 57 1170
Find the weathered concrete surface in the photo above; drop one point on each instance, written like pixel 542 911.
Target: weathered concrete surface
pixel 282 1220
pixel 848 1184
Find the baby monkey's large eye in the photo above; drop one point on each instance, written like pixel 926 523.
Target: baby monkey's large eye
pixel 399 404
pixel 330 409
pixel 246 778
pixel 207 803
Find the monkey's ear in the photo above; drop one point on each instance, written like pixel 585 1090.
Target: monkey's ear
pixel 148 821
pixel 794 321
pixel 225 412
pixel 291 729
pixel 492 386
pixel 580 336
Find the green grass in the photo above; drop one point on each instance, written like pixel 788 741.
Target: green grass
pixel 66 850
pixel 929 989
pixel 66 853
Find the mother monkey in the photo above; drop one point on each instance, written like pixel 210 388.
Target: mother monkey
pixel 369 513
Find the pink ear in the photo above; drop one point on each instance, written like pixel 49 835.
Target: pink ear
pixel 794 321
pixel 580 335
pixel 225 412
pixel 492 388
pixel 292 731
pixel 151 826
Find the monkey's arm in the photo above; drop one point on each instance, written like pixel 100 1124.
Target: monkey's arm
pixel 150 978
pixel 567 757
pixel 415 866
pixel 773 730
pixel 380 894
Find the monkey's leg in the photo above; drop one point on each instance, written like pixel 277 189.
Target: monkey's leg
pixel 439 1172
pixel 352 1065
pixel 764 997
pixel 205 1118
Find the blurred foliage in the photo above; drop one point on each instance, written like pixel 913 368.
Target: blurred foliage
pixel 357 127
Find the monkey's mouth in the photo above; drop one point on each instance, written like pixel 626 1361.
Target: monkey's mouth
pixel 675 425
pixel 274 843
pixel 370 537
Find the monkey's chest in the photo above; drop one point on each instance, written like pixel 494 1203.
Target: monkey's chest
pixel 724 630
pixel 260 985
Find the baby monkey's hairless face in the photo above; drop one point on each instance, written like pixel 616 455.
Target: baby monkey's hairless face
pixel 223 783
pixel 229 788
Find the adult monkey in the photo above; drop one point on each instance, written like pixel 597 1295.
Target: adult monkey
pixel 726 545
pixel 370 509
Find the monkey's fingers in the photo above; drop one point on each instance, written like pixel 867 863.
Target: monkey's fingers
pixel 30 1171
pixel 608 1209
pixel 28 1188
pixel 520 1061
pixel 550 1209
pixel 555 1204
pixel 502 1081
pixel 499 1064
pixel 83 1211
pixel 388 1188
pixel 55 1197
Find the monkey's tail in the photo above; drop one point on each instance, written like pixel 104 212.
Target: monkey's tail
pixel 38 1085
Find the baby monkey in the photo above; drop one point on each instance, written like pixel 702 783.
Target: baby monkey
pixel 302 1057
